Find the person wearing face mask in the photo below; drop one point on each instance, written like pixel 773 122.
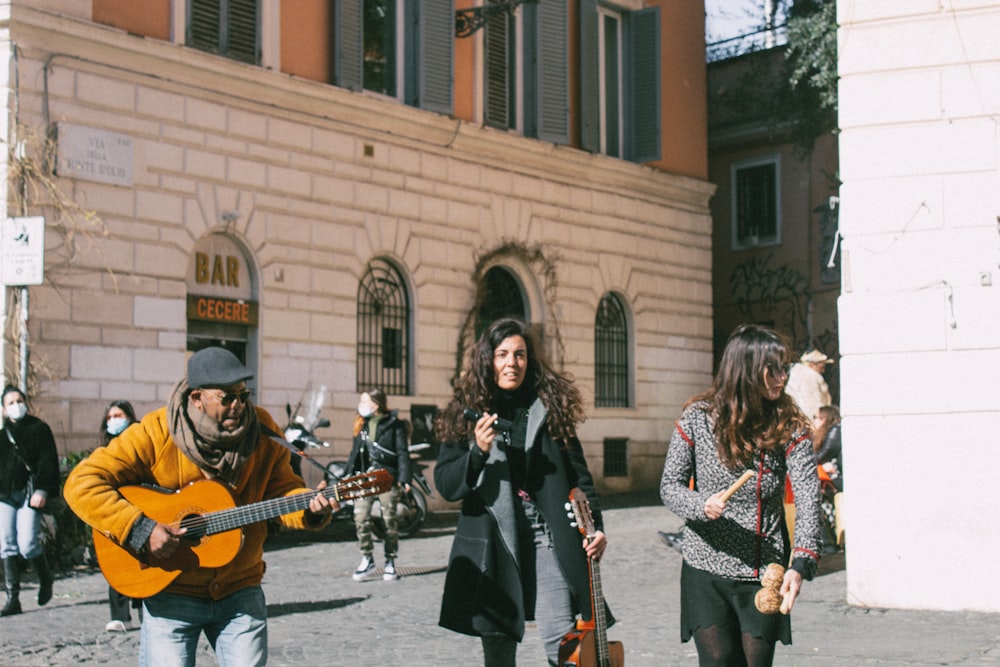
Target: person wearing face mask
pixel 118 416
pixel 29 476
pixel 380 441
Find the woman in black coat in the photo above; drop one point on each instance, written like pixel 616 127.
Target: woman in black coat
pixel 516 556
pixel 29 477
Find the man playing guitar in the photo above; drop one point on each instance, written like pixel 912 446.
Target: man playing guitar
pixel 209 430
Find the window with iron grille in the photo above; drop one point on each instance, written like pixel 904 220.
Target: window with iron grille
pixel 383 330
pixel 616 457
pixel 756 194
pixel 227 27
pixel 501 296
pixel 611 359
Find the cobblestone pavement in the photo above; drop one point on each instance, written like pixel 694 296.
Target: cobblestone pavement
pixel 320 616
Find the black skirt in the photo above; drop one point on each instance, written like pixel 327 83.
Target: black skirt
pixel 707 600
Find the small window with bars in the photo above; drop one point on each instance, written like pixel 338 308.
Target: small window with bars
pixel 611 359
pixel 383 330
pixel 755 202
pixel 616 457
pixel 227 27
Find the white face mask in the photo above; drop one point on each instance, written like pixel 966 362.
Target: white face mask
pixel 116 425
pixel 365 410
pixel 16 411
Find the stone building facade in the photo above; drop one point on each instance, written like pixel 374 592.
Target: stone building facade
pixel 338 238
pixel 920 307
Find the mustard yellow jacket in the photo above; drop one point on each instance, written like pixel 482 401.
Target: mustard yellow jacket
pixel 145 454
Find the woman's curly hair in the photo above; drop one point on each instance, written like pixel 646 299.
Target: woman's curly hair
pixel 477 387
pixel 745 419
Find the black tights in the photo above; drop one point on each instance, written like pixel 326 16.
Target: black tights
pixel 725 647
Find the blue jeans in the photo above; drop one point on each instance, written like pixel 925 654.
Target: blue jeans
pixel 19 528
pixel 236 627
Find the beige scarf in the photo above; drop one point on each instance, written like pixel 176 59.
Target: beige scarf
pixel 221 454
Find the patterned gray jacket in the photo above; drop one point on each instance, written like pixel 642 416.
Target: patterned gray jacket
pixel 751 533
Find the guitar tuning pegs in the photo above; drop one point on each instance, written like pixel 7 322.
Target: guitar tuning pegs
pixel 567 506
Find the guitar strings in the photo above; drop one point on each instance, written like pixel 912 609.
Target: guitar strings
pixel 199 525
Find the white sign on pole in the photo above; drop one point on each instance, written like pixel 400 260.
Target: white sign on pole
pixel 22 251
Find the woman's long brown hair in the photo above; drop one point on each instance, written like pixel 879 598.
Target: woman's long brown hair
pixel 477 387
pixel 745 419
pixel 831 417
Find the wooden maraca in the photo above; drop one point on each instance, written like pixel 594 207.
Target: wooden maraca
pixel 769 599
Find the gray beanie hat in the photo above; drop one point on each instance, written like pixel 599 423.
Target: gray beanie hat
pixel 215 367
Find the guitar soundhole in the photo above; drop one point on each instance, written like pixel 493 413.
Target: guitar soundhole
pixel 196 526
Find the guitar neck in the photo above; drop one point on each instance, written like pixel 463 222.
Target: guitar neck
pixel 600 619
pixel 237 517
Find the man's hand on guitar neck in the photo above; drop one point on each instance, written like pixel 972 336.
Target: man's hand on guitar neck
pixel 320 505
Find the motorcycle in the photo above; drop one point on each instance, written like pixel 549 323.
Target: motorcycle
pixel 411 510
pixel 299 432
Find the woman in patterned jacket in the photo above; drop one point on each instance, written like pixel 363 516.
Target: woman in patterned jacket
pixel 744 422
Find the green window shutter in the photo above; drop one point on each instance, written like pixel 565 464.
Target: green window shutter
pixel 590 130
pixel 643 94
pixel 552 71
pixel 347 69
pixel 228 28
pixel 241 27
pixel 437 46
pixel 496 95
pixel 203 25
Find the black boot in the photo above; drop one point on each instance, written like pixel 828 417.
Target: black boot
pixel 41 566
pixel 12 583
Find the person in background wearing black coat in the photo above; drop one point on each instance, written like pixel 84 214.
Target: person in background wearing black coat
pixel 516 556
pixel 29 476
pixel 826 443
pixel 380 441
pixel 118 416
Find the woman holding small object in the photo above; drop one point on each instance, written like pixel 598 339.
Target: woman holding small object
pixel 744 430
pixel 512 461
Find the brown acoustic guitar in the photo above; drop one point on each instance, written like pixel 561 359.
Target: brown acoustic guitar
pixel 587 644
pixel 208 511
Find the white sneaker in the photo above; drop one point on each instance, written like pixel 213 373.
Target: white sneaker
pixel 364 569
pixel 118 626
pixel 389 573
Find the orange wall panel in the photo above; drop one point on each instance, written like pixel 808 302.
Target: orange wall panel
pixel 150 18
pixel 464 91
pixel 683 88
pixel 306 26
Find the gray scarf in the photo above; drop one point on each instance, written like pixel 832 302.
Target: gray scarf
pixel 221 454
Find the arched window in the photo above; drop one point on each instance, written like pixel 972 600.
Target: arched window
pixel 383 330
pixel 611 362
pixel 501 297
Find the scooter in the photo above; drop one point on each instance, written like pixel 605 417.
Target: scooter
pixel 411 510
pixel 299 432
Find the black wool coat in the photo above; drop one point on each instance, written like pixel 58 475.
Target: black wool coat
pixel 32 455
pixel 484 594
pixel 390 449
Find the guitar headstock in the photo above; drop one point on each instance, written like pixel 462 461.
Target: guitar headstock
pixel 364 484
pixel 581 511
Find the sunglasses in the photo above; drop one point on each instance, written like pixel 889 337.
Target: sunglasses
pixel 227 398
